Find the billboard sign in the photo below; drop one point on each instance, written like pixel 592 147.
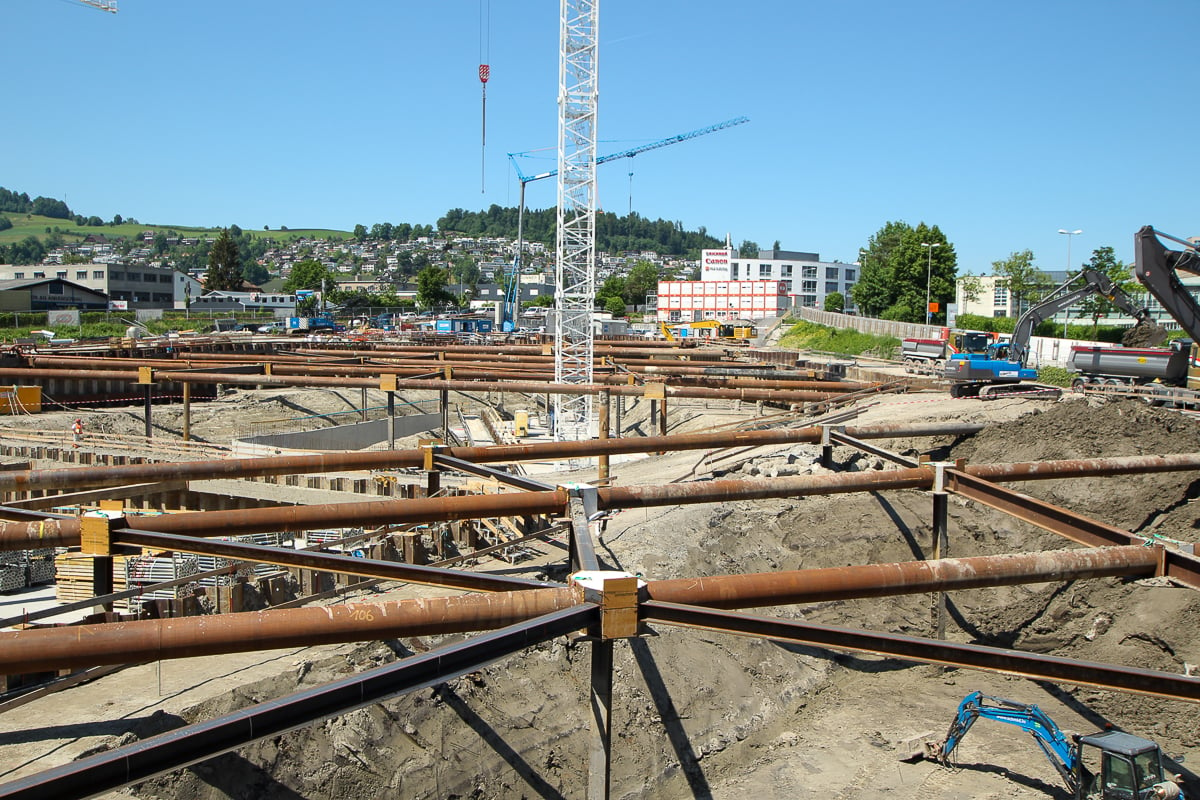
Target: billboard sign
pixel 714 264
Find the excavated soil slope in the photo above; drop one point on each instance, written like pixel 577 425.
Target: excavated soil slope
pixel 712 715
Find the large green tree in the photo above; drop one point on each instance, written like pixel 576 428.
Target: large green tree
pixel 224 265
pixel 748 249
pixel 431 288
pixel 1104 260
pixel 1024 281
pixel 900 267
pixel 640 281
pixel 613 286
pixel 308 274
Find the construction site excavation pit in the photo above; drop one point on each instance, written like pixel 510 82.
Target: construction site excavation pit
pixel 700 713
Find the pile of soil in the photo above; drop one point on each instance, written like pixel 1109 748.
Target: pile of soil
pixel 1147 333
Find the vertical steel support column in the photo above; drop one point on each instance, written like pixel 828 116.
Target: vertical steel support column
pixel 941 542
pixel 662 416
pixel 620 414
pixel 102 578
pixel 653 414
pixel 444 403
pixel 149 397
pixel 364 404
pixel 95 540
pixel 391 412
pixel 602 467
pixel 600 750
pixel 827 444
pixel 187 412
pixel 433 476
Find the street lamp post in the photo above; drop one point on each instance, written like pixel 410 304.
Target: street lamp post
pixel 929 277
pixel 1070 235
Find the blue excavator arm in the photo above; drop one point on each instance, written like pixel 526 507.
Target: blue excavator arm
pixel 1029 718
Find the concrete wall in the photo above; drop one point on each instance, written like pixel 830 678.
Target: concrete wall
pixel 878 327
pixel 355 436
pixel 1044 351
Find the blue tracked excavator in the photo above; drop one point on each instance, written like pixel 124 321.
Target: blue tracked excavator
pixel 1109 765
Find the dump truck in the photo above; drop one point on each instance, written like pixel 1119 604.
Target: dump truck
pixel 1132 365
pixel 930 355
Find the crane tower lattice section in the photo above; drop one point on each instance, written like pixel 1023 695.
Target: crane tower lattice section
pixel 575 256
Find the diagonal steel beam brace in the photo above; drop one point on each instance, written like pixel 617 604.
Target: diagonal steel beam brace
pixel 895 458
pixel 332 562
pixel 1075 527
pixel 581 506
pixel 195 743
pixel 507 478
pixel 1178 565
pixel 1034 666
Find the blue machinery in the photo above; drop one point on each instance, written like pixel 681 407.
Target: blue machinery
pixel 512 280
pixel 1120 767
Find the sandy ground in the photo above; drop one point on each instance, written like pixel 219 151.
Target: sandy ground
pixel 702 714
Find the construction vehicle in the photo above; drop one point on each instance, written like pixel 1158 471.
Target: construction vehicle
pixel 1159 376
pixel 1108 765
pixel 1131 366
pixel 1157 268
pixel 923 355
pixel 1002 369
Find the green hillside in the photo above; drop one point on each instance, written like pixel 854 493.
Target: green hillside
pixel 33 225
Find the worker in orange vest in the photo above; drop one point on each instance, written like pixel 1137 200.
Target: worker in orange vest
pixel 77 432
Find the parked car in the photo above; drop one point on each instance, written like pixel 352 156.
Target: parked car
pixel 278 326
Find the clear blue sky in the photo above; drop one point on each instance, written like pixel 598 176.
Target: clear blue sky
pixel 998 122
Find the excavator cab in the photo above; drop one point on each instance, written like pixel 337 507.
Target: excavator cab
pixel 1120 766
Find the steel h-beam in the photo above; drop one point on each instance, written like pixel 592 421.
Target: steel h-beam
pixel 195 743
pixel 575 257
pixel 1034 666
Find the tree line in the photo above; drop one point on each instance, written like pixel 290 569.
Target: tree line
pixel 613 233
pixel 902 266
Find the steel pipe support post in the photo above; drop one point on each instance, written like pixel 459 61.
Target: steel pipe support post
pixel 827 443
pixel 602 467
pixel 600 750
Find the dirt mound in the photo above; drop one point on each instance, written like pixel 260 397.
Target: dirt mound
pixel 1146 333
pixel 1079 429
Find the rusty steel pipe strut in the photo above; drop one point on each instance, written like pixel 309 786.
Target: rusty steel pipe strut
pixel 520 387
pixel 910 577
pixel 65 532
pixel 148 640
pixel 71 646
pixel 1034 666
pixel 241 522
pixel 1084 467
pixel 82 477
pixel 192 744
pixel 749 376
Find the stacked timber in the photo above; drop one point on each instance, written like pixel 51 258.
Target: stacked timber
pixel 74 577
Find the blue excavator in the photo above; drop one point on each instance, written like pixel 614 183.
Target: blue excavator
pixel 1002 370
pixel 1109 765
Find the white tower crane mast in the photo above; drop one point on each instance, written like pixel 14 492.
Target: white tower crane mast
pixel 575 250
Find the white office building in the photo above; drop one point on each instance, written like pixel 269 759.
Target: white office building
pixel 804 277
